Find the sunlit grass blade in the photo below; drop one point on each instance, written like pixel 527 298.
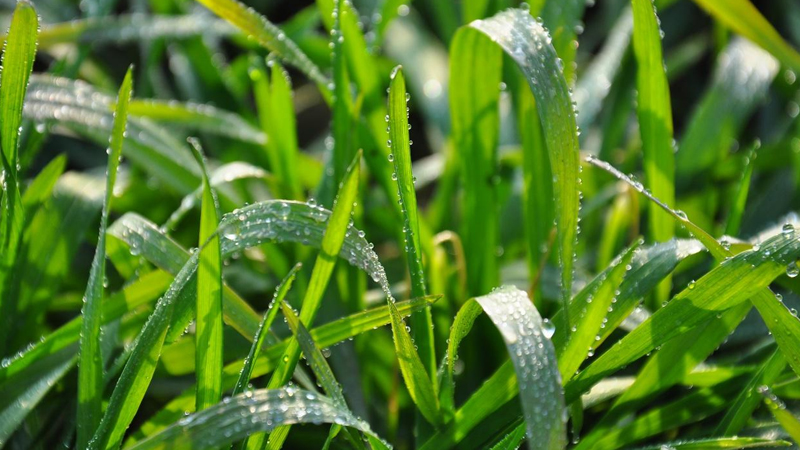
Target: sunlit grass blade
pixel 788 421
pixel 208 306
pixel 263 330
pixel 256 411
pixel 513 440
pixel 529 45
pixel 400 145
pixel 562 20
pixel 598 297
pixel 742 17
pixel 131 28
pixel 741 80
pixel 325 336
pixel 17 61
pixel 341 121
pixel 90 367
pixel 654 110
pixel 258 28
pixel 475 74
pixel 715 443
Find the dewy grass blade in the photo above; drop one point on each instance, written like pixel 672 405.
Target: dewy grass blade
pixel 90 367
pixel 400 145
pixel 529 45
pixel 248 413
pixel 742 17
pixel 258 28
pixel 17 62
pixel 736 211
pixel 208 302
pixel 563 19
pixel 341 122
pixel 475 74
pixel 721 443
pixel 788 421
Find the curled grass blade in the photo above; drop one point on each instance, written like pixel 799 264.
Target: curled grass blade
pixel 90 367
pixel 400 145
pixel 208 306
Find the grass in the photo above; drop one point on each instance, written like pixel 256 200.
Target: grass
pixel 279 264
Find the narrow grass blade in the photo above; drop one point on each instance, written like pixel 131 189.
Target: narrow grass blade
pixel 208 306
pixel 788 421
pixel 736 280
pixel 529 45
pixel 742 17
pixel 253 411
pixel 714 443
pixel 124 29
pixel 263 330
pixel 598 297
pixel 90 367
pixel 198 117
pixel 400 145
pixel 742 78
pixel 17 61
pixel 341 121
pixel 736 211
pixel 257 27
pixel 513 440
pixel 325 336
pixel 654 109
pixel 462 324
pixel 19 396
pixel 475 74
pixel 42 186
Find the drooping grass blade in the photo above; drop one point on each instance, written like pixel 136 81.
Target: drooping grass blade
pixel 90 367
pixel 208 303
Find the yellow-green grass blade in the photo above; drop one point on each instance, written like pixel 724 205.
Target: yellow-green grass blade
pixel 788 421
pixel 654 110
pixel 325 336
pixel 17 61
pixel 736 211
pixel 743 18
pixel 400 145
pixel 208 301
pixel 563 20
pixel 341 121
pixel 257 27
pixel 90 366
pixel 529 45
pixel 248 413
pixel 719 443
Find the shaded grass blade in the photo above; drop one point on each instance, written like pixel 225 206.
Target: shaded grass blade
pixel 400 145
pixel 90 367
pixel 208 306
pixel 788 421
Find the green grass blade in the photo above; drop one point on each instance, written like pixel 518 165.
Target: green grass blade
pixel 597 297
pixel 562 19
pixel 341 122
pixel 208 307
pixel 462 324
pixel 42 186
pixel 715 443
pixel 654 109
pixel 528 44
pixel 258 28
pixel 400 145
pixel 513 440
pixel 263 330
pixel 325 336
pixel 734 220
pixel 90 367
pixel 788 421
pixel 282 131
pixel 256 411
pixel 475 74
pixel 743 18
pixel 17 61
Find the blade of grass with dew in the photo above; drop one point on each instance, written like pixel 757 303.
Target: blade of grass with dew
pixel 598 297
pixel 513 440
pixel 198 117
pixel 740 411
pixel 208 299
pixel 784 326
pixel 325 336
pixel 654 110
pixel 18 55
pixel 563 20
pixel 715 443
pixel 743 18
pixel 20 396
pixel 742 77
pixel 332 243
pixel 475 74
pixel 128 28
pixel 400 145
pixel 258 28
pixel 529 45
pixel 736 211
pixel 341 122
pixel 90 367
pixel 788 421
pixel 257 411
